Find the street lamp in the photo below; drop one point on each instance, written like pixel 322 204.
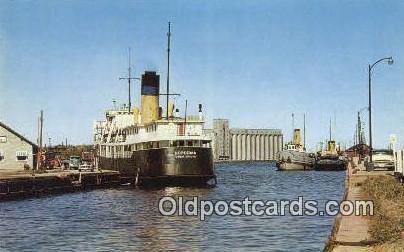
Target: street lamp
pixel 390 62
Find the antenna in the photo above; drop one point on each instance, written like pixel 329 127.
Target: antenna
pixel 129 78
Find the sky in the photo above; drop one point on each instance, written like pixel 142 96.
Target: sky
pixel 252 62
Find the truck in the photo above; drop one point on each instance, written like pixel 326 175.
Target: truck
pixel 74 162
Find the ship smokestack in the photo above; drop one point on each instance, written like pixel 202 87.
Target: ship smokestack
pixel 296 137
pixel 150 97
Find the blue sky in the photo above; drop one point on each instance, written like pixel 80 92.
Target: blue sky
pixel 253 62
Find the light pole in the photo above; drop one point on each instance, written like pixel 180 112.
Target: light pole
pixel 390 62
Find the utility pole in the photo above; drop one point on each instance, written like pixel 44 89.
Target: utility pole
pixel 129 78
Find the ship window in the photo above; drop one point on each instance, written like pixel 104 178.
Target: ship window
pixel 127 148
pixel 190 143
pixel 147 146
pixel 206 143
pixel 1 156
pixel 164 144
pixel 155 144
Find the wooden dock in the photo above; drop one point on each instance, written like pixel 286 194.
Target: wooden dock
pixel 24 185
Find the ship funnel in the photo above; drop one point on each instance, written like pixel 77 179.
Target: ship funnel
pixel 150 97
pixel 331 147
pixel 296 137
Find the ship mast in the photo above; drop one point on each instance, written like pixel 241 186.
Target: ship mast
pixel 304 131
pixel 129 78
pixel 330 129
pixel 293 125
pixel 168 69
pixel 168 66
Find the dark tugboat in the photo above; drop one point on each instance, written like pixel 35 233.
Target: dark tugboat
pixel 149 149
pixel 329 159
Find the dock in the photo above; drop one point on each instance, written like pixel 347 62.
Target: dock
pixel 24 185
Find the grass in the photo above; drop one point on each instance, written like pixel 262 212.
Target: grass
pixel 387 225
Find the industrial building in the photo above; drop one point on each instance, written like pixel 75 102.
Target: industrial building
pixel 16 151
pixel 232 144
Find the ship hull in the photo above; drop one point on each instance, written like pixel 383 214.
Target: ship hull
pixel 164 166
pixel 294 160
pixel 330 165
pixel 293 166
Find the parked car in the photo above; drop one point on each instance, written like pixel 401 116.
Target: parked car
pixel 74 162
pixel 383 159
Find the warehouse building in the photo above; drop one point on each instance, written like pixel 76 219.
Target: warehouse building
pixel 16 151
pixel 232 144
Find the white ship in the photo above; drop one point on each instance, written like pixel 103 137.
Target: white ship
pixel 294 157
pixel 149 148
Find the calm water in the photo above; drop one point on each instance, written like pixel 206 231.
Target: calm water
pixel 127 219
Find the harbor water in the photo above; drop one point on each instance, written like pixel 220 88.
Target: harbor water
pixel 127 218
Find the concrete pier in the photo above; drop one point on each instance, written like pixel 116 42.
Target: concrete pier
pixel 351 233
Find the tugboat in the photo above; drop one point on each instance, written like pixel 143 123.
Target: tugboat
pixel 295 157
pixel 329 159
pixel 150 149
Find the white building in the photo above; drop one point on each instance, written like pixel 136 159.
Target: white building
pixel 16 151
